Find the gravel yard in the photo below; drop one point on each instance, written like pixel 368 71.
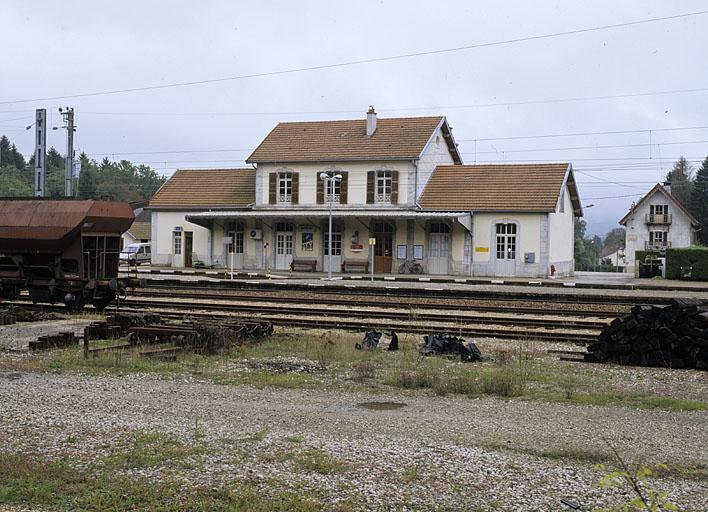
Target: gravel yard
pixel 446 453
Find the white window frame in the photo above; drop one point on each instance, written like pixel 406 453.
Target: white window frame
pixel 177 242
pixel 384 186
pixel 285 187
pixel 333 191
pixel 506 241
pixel 336 240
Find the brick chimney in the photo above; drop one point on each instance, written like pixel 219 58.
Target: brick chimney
pixel 370 121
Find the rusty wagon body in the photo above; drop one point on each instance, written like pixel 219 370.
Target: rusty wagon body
pixel 62 250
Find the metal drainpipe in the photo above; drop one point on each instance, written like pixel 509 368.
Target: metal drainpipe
pixel 415 190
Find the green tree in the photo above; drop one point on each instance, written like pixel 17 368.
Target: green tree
pixel 680 178
pixel 614 240
pixel 699 201
pixel 87 178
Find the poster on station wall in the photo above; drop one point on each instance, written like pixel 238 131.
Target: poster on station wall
pixel 308 242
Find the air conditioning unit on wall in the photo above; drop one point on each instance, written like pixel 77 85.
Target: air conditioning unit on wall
pixel 255 234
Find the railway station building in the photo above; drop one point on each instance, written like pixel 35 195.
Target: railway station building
pixel 398 182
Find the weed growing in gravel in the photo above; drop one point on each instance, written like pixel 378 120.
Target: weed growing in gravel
pixel 153 449
pixel 259 435
pixel 635 479
pixel 410 474
pixel 319 461
pixel 363 370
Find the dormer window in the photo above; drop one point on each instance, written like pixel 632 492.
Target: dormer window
pixel 285 187
pixel 383 186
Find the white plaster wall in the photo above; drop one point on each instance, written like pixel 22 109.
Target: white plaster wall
pixel 309 175
pixel 680 232
pixel 528 240
pixel 163 224
pixel 561 237
pixel 437 153
pixel 127 239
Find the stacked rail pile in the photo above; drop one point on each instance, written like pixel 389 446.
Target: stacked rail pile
pixel 675 336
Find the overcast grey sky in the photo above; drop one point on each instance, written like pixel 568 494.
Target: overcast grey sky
pixel 71 47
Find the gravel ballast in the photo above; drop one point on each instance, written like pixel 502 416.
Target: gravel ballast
pixel 447 453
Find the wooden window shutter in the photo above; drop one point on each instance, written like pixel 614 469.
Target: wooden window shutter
pixel 320 189
pixel 394 187
pixel 344 188
pixel 370 187
pixel 273 188
pixel 296 188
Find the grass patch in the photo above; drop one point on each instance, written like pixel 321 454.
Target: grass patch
pixel 502 381
pixel 154 449
pixel 261 379
pixel 514 371
pixel 58 485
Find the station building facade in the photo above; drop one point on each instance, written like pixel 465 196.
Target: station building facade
pixel 403 184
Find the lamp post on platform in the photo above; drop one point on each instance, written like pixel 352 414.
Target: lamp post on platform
pixel 329 182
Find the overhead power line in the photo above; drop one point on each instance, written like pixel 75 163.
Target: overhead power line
pixel 365 61
pixel 611 197
pixel 580 134
pixel 575 148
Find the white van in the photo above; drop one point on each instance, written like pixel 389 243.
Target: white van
pixel 135 254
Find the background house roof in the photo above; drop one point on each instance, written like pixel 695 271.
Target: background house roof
pixel 659 188
pixel 207 188
pixel 402 138
pixel 507 187
pixel 141 230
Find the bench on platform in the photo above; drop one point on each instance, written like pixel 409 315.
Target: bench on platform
pixel 304 264
pixel 360 265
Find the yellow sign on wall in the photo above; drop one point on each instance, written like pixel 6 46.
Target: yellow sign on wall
pixel 372 241
pixel 481 249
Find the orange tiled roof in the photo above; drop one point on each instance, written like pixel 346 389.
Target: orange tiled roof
pixel 200 188
pixel 328 141
pixel 498 187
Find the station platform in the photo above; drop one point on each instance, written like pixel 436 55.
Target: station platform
pixel 585 280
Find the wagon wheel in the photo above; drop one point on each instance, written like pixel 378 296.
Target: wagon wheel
pixel 100 303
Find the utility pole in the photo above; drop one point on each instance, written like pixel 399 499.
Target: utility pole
pixel 68 115
pixel 40 152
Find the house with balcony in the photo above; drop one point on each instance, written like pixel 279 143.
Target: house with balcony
pixel 656 222
pixel 396 182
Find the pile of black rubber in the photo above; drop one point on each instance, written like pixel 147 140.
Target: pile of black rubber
pixel 372 338
pixel 675 336
pixel 447 344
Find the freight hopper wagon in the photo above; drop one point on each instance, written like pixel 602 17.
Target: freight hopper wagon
pixel 62 251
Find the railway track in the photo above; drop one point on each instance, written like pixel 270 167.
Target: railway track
pixel 601 311
pixel 355 314
pixel 509 318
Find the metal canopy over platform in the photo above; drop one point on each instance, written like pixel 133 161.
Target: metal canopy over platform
pixel 204 218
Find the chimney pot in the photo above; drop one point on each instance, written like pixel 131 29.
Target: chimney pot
pixel 370 121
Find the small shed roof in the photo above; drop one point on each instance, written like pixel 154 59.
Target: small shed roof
pixel 401 138
pixel 500 187
pixel 207 188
